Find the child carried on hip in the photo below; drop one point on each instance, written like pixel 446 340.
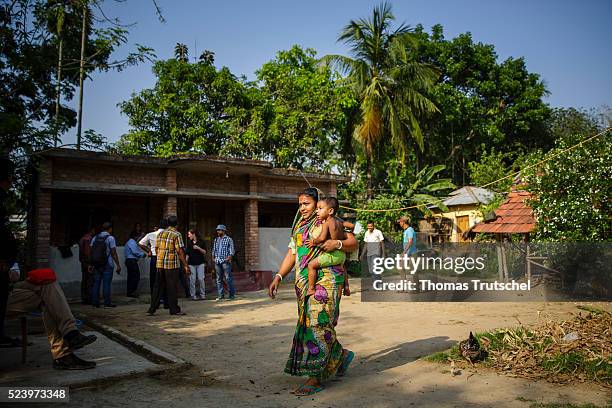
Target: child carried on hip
pixel 332 228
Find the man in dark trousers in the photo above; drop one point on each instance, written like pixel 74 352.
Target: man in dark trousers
pixel 147 243
pixel 25 297
pixel 104 259
pixel 169 248
pixel 87 277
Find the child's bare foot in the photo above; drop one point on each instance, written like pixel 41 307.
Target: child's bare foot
pixel 310 292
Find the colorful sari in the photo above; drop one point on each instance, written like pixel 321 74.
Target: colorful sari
pixel 315 351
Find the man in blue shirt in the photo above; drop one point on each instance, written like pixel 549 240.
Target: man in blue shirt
pixel 409 236
pixel 132 254
pixel 104 274
pixel 223 253
pixel 409 241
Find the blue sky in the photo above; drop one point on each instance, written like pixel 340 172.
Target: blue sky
pixel 567 42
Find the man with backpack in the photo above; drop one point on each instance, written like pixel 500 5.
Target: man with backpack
pixel 103 254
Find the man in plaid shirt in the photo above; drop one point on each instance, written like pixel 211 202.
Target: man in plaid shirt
pixel 169 248
pixel 223 252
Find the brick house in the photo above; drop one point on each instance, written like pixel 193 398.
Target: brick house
pixel 78 189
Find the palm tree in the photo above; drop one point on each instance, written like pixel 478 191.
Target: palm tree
pixel 58 16
pixel 181 52
pixel 389 84
pixel 207 57
pixel 84 38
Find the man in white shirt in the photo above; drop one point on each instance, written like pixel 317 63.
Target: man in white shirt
pixel 374 247
pixel 147 243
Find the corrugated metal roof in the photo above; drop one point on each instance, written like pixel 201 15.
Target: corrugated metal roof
pixel 514 216
pixel 469 195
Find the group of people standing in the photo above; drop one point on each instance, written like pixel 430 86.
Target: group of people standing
pixel 172 263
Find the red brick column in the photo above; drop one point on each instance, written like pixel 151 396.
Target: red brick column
pixel 41 217
pixel 170 202
pixel 251 228
pixel 251 235
pixel 42 222
pixel 333 192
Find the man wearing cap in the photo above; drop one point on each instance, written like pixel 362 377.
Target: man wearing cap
pixel 223 252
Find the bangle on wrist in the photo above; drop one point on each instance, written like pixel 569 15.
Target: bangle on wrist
pixel 339 246
pixel 280 276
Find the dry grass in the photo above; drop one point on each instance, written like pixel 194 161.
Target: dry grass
pixel 542 352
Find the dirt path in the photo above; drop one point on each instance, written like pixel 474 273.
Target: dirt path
pixel 239 350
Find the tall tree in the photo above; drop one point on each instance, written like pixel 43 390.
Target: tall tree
pixel 59 10
pixel 191 108
pixel 300 116
pixel 85 13
pixel 484 103
pixel 181 52
pixel 292 116
pixel 390 85
pixel 35 80
pixel 207 57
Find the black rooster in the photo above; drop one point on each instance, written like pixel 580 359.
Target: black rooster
pixel 470 349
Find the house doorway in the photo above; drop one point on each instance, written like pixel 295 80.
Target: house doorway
pixel 463 224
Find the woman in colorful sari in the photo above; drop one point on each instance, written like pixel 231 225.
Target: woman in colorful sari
pixel 316 352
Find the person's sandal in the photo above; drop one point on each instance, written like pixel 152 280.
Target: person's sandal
pixel 345 364
pixel 306 390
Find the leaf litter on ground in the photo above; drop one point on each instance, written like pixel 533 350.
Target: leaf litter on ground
pixel 574 350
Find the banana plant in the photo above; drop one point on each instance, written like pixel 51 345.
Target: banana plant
pixel 421 189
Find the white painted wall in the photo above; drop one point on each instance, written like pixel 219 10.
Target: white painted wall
pixel 272 247
pixel 68 271
pixel 272 250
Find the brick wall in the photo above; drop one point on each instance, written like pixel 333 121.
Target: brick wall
pixel 234 220
pixel 42 222
pixel 59 218
pixel 192 180
pixel 251 228
pixel 291 187
pixel 107 173
pixel 73 213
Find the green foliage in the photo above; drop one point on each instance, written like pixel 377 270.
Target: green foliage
pixel 191 108
pixel 482 102
pixel 390 85
pixel 384 220
pixel 28 66
pixel 491 167
pixel 30 33
pixel 406 189
pixel 292 116
pixel 494 166
pixel 572 191
pixel 302 113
